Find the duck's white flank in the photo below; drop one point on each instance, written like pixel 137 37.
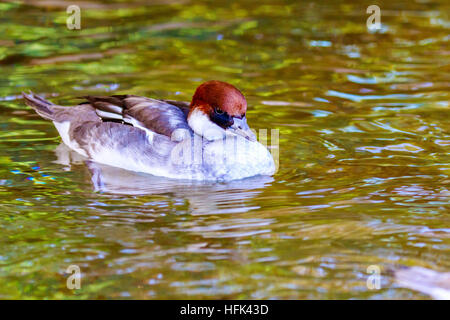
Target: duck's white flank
pixel 64 132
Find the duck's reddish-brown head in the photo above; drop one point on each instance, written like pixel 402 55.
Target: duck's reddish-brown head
pixel 221 97
pixel 223 104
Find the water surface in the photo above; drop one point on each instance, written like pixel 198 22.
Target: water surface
pixel 364 159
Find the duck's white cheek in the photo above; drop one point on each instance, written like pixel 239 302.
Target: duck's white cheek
pixel 203 126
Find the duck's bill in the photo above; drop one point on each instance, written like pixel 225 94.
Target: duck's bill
pixel 240 127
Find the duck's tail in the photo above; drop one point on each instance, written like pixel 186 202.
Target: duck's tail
pixel 44 108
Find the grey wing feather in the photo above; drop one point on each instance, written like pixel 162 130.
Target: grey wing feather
pixel 183 105
pixel 165 117
pixel 124 146
pixel 107 107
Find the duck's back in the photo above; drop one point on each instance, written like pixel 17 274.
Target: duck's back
pixel 164 117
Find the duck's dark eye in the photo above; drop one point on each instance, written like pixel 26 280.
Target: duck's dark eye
pixel 221 118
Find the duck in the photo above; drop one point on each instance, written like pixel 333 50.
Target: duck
pixel 207 139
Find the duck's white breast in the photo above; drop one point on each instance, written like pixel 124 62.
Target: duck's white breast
pixel 232 158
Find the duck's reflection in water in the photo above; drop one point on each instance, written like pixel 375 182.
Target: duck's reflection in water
pixel 204 197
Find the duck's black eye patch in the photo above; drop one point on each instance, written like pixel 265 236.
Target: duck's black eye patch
pixel 223 119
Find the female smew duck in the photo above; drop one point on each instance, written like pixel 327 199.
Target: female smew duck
pixel 208 139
